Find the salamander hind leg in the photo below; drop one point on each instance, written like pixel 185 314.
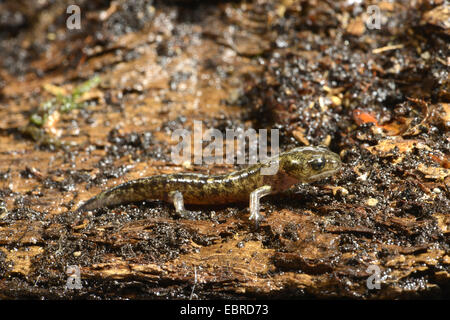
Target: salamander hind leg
pixel 255 196
pixel 178 202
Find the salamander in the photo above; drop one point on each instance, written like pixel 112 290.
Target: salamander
pixel 298 165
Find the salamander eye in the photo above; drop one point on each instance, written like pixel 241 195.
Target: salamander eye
pixel 317 164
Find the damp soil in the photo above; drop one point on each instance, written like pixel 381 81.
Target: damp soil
pixel 314 70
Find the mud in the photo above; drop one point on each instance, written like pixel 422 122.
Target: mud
pixel 312 69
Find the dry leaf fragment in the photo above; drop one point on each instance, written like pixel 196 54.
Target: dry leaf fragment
pixel 433 172
pixel 439 16
pixel 390 147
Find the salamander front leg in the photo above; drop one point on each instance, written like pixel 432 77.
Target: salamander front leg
pixel 178 202
pixel 255 196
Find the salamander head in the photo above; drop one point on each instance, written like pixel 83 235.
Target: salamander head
pixel 309 164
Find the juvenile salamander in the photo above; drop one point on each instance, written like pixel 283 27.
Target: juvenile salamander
pixel 299 165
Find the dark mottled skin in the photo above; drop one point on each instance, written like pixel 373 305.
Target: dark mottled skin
pixel 303 164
